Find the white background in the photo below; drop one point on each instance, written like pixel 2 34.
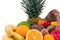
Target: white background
pixel 11 12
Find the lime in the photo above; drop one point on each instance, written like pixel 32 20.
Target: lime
pixel 24 23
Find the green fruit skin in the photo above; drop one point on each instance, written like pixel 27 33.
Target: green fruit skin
pixel 24 23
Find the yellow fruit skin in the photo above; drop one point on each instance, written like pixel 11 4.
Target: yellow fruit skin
pixel 5 37
pixel 22 30
pixel 17 36
pixel 9 29
pixel 48 37
pixel 11 34
pixel 55 23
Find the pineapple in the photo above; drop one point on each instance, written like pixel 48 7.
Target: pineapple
pixel 33 8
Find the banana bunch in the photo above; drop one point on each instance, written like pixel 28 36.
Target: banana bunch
pixel 11 34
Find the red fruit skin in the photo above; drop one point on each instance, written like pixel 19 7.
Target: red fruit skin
pixel 46 24
pixel 56 34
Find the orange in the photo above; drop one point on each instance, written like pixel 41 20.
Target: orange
pixel 34 35
pixel 22 30
pixel 40 22
pixel 48 37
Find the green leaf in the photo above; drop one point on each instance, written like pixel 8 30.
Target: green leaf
pixel 33 7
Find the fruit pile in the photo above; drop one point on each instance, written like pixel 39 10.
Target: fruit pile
pixel 44 29
pixel 35 28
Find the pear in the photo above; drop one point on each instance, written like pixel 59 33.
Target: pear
pixel 50 28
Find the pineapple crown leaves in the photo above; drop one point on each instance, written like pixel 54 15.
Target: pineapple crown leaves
pixel 33 7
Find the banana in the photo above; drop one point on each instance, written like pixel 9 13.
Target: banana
pixel 5 37
pixel 17 36
pixel 12 34
pixel 10 29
